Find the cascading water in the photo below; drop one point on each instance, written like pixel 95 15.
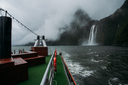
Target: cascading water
pixel 92 36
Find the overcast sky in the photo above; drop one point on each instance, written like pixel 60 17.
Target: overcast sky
pixel 45 17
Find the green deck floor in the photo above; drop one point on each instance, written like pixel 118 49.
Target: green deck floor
pixel 36 73
pixel 60 75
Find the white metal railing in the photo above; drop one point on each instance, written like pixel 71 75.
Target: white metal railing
pixel 49 71
pixel 17 51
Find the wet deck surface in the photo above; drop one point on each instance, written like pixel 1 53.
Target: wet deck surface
pixel 36 73
pixel 60 75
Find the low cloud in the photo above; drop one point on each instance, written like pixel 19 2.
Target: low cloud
pixel 46 17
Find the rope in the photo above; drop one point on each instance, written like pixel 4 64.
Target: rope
pixel 17 20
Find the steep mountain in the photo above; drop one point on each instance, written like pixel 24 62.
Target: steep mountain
pixel 78 30
pixel 113 29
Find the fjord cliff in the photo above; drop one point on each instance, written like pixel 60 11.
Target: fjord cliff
pixel 113 29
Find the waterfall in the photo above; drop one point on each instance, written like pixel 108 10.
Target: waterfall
pixel 92 36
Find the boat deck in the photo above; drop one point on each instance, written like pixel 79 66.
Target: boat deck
pixel 36 73
pixel 60 75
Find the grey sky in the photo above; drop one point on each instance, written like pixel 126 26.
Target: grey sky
pixel 47 16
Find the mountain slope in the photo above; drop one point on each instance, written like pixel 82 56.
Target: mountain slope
pixel 113 30
pixel 78 30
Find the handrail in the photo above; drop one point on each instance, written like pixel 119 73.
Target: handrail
pixel 72 82
pixel 45 79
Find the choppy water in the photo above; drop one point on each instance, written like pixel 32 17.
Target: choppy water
pixel 95 65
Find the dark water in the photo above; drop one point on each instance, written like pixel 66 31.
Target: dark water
pixel 95 65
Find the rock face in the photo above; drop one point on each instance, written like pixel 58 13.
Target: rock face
pixel 78 30
pixel 113 29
